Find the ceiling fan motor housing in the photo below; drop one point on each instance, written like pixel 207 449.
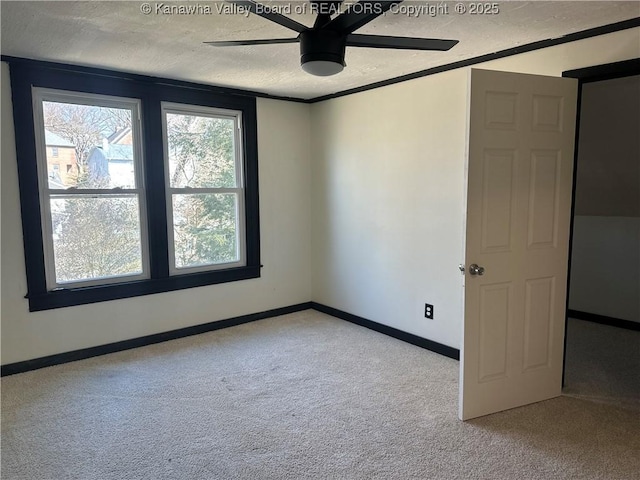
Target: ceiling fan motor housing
pixel 322 45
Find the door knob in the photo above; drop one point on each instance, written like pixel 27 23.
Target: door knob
pixel 476 270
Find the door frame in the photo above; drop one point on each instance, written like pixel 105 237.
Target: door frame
pixel 584 75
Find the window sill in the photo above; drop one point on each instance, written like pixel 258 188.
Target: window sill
pixel 85 295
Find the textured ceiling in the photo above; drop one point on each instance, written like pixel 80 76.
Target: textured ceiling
pixel 117 35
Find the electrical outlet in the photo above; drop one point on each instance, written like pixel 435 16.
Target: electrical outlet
pixel 428 311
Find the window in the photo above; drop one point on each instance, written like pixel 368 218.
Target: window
pixel 161 192
pixel 92 223
pixel 204 187
pixel 54 151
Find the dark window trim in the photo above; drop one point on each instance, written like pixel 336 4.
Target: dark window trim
pixel 113 74
pixel 24 76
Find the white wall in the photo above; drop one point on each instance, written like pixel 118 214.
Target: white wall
pixel 605 270
pixel 608 167
pixel 605 266
pixel 388 173
pixel 284 170
pixel 378 216
pixel 388 202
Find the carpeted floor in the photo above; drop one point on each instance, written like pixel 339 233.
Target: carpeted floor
pixel 303 396
pixel 603 364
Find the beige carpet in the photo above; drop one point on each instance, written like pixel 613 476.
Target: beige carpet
pixel 603 364
pixel 294 397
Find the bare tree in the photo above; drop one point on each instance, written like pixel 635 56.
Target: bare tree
pixel 84 125
pixel 96 237
pixel 93 236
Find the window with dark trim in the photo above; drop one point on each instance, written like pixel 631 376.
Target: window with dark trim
pixel 163 193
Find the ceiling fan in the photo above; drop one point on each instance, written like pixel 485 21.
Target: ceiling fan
pixel 322 47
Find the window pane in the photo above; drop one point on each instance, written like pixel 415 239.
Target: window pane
pixel 96 237
pixel 201 151
pixel 205 229
pixel 95 145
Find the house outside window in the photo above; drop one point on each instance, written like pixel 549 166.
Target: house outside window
pixel 93 228
pixel 60 151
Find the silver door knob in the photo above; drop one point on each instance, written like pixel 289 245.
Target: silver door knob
pixel 476 270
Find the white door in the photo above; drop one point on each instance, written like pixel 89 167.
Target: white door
pixel 521 142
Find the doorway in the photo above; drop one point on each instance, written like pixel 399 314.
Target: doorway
pixel 603 307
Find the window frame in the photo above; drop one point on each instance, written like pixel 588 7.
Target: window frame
pixel 151 92
pixel 236 116
pixel 40 95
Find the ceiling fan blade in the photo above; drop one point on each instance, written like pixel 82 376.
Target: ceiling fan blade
pixel 235 43
pixel 265 12
pixel 359 14
pixel 401 43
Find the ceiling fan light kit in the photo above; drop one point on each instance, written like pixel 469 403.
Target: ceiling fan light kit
pixel 322 47
pixel 322 68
